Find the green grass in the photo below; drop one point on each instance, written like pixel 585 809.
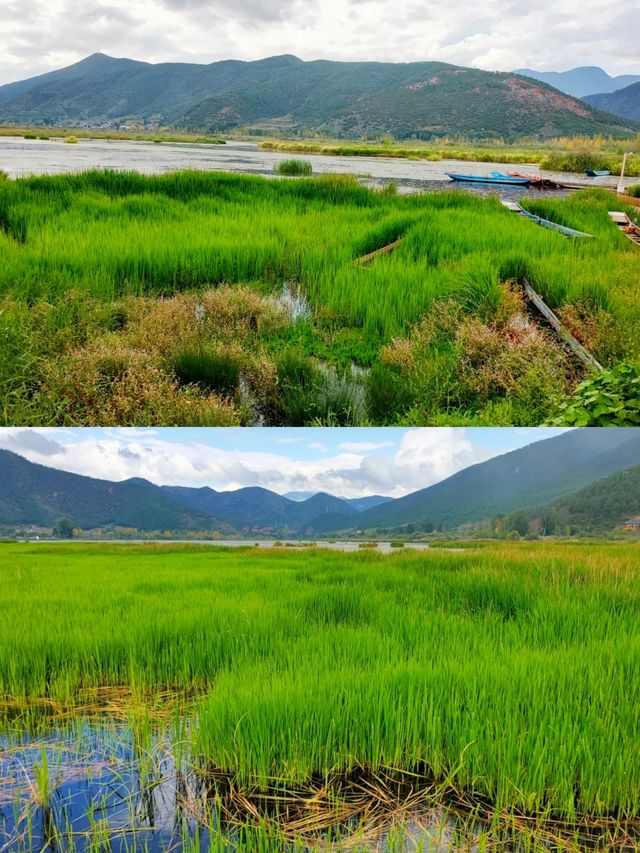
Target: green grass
pixel 102 237
pixel 298 168
pixel 212 371
pixel 509 671
pixel 122 135
pixel 564 154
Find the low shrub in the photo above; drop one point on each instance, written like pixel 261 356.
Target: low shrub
pixel 612 398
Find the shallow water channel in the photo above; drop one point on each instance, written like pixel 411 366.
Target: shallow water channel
pixel 101 786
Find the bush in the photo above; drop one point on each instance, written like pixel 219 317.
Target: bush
pixel 397 543
pixel 612 398
pixel 295 168
pixel 72 140
pixel 210 370
pixel 634 190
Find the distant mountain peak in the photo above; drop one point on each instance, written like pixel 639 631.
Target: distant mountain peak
pixel 581 81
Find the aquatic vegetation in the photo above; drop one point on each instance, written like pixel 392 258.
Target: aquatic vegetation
pixel 503 675
pixel 294 167
pixel 76 248
pixel 563 154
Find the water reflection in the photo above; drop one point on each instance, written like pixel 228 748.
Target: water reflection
pixel 98 785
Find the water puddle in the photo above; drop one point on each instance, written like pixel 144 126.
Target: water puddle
pixel 292 301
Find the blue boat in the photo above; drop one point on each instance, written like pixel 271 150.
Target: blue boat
pixel 597 173
pixel 492 178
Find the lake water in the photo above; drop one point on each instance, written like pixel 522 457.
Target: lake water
pixel 286 544
pixel 19 156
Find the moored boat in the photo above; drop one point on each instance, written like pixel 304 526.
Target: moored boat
pixel 492 178
pixel 626 225
pixel 597 173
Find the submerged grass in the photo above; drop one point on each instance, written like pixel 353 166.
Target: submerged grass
pixel 99 238
pixel 508 672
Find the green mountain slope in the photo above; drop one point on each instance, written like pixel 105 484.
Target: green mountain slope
pixel 34 494
pixel 348 99
pixel 601 506
pixel 624 103
pixel 525 478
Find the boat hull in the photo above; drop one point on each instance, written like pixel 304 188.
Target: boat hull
pixel 489 179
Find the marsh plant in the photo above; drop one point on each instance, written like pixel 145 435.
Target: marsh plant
pixel 497 678
pixel 108 311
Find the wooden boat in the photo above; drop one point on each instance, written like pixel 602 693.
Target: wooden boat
pixel 626 225
pixel 597 173
pixel 493 178
pixel 545 223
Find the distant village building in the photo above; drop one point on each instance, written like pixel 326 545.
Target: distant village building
pixel 632 524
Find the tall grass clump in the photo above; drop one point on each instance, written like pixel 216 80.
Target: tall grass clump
pixel 294 168
pixel 210 370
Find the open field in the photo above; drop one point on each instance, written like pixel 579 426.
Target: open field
pixel 212 299
pixel 558 155
pixel 504 677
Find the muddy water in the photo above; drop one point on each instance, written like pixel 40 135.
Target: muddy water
pixel 34 157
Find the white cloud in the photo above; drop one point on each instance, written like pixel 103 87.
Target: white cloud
pixel 357 446
pixel 422 457
pixel 39 36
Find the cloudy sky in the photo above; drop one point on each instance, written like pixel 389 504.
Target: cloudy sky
pixel 344 462
pixel 41 35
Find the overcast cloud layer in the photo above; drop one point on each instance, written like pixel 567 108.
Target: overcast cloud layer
pixel 42 35
pixel 351 463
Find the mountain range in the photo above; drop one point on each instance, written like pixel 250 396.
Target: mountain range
pixel 525 479
pixel 283 93
pixel 624 102
pixel 582 81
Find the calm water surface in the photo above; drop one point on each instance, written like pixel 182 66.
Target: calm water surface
pixel 35 157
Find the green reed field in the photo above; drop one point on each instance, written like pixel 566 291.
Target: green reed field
pixel 510 671
pixel 108 287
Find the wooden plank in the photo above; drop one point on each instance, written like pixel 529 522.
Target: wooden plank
pixel 365 259
pixel 554 321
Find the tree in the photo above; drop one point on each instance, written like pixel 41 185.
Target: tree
pixel 519 521
pixel 63 528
